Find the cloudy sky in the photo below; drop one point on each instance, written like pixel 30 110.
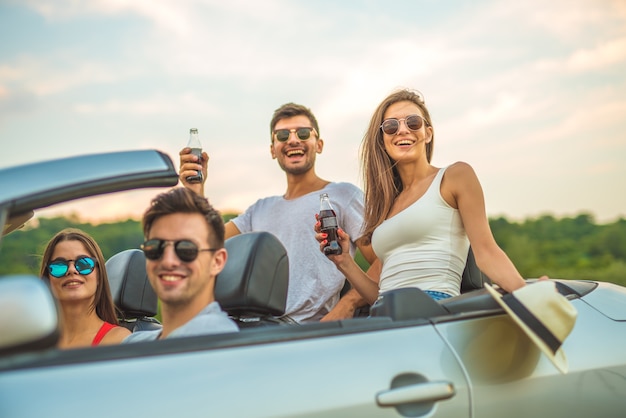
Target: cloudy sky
pixel 531 93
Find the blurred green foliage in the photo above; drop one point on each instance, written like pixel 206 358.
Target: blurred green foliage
pixel 568 248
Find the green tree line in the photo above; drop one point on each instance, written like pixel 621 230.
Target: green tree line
pixel 568 248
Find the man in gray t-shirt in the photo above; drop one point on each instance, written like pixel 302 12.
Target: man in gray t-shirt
pixel 314 281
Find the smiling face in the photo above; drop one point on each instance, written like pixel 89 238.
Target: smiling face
pixel 73 287
pixel 294 155
pixel 179 284
pixel 406 144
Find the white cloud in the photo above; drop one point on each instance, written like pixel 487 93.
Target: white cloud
pixel 47 76
pixel 604 55
pixel 507 106
pixel 572 18
pixel 155 105
pixel 504 81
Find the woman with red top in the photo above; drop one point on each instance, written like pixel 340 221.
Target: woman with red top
pixel 74 266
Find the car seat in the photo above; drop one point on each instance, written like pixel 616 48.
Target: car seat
pixel 252 288
pixel 472 278
pixel 132 293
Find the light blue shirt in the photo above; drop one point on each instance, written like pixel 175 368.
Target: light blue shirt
pixel 210 320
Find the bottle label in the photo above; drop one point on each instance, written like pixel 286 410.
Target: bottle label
pixel 330 222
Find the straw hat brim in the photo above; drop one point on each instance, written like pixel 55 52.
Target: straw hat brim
pixel 558 358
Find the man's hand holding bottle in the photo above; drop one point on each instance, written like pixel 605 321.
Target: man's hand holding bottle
pixel 193 164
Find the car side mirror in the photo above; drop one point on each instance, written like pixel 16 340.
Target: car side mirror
pixel 29 319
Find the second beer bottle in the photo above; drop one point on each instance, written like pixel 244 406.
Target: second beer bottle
pixel 329 225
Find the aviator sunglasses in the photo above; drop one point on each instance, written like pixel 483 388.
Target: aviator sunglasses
pixel 83 265
pixel 185 250
pixel 413 122
pixel 302 133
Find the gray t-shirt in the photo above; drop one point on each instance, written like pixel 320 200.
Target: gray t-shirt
pixel 211 320
pixel 314 281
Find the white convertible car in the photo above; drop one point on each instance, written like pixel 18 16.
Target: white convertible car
pixel 412 357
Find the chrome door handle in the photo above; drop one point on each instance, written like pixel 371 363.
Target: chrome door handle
pixel 419 392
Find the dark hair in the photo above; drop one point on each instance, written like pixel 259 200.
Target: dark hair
pixel 289 110
pixel 182 200
pixel 103 301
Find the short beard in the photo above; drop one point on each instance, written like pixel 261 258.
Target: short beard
pixel 299 169
pixel 176 303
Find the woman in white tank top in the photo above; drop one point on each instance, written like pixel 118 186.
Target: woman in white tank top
pixel 419 219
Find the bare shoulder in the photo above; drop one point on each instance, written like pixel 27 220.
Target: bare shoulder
pixel 460 169
pixel 459 180
pixel 116 335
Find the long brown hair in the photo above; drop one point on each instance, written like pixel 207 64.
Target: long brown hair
pixel 103 301
pixel 381 179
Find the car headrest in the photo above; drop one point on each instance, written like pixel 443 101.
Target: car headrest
pixel 472 278
pixel 256 276
pixel 130 288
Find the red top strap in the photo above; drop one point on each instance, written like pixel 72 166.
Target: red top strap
pixel 106 327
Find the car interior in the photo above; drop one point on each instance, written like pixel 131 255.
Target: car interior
pixel 252 288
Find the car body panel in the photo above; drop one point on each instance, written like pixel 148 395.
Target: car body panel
pixel 34 186
pixel 511 377
pixel 306 377
pixel 29 322
pixel 610 300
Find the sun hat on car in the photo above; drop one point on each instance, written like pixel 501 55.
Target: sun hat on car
pixel 546 316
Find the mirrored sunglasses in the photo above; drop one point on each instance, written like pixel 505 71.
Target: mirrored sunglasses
pixel 83 265
pixel 302 133
pixel 185 250
pixel 392 125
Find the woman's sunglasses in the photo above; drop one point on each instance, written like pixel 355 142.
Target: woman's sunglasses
pixel 186 250
pixel 302 133
pixel 392 125
pixel 83 265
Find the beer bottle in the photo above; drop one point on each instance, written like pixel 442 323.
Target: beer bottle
pixel 196 149
pixel 329 225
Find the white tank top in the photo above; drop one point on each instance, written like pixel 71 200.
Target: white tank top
pixel 423 246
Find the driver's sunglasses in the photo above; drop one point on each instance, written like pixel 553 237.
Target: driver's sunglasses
pixel 185 250
pixel 392 125
pixel 83 265
pixel 302 133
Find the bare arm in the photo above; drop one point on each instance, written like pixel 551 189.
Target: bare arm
pixel 352 300
pixel 189 167
pixel 115 336
pixel 230 230
pixel 461 185
pixel 365 285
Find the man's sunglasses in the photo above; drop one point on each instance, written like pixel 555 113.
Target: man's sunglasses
pixel 302 133
pixel 392 125
pixel 83 265
pixel 185 250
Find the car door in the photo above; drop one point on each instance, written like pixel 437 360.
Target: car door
pixel 363 368
pixel 511 377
